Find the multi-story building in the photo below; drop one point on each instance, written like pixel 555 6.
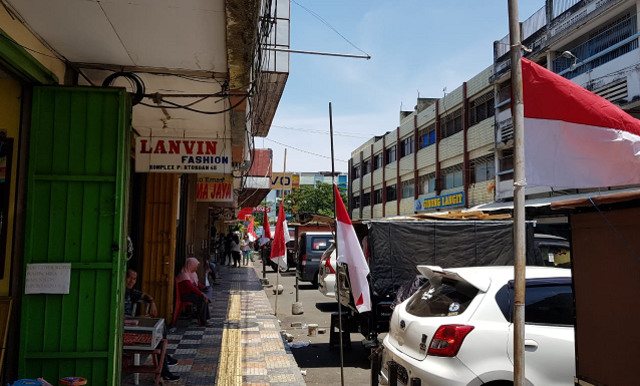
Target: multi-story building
pixel 121 119
pixel 592 43
pixel 456 152
pixel 440 157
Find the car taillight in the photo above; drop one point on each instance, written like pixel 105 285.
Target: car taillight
pixel 304 260
pixel 447 340
pixel 327 264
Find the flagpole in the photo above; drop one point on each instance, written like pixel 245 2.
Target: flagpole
pixel 519 184
pixel 335 218
pixel 284 170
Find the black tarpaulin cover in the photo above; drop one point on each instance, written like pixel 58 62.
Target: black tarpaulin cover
pixel 397 247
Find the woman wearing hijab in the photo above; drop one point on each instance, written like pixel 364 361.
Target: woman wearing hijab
pixel 191 290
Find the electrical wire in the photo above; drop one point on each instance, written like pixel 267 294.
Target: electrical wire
pixel 325 132
pixel 302 150
pixel 328 25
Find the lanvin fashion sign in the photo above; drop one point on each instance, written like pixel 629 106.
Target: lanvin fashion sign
pixel 183 155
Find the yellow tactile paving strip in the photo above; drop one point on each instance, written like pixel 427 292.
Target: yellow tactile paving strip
pixel 230 366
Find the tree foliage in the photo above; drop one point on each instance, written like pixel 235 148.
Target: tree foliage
pixel 310 199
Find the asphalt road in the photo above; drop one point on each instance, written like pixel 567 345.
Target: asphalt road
pixel 321 364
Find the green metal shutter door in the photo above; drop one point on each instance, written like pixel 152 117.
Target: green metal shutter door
pixel 76 206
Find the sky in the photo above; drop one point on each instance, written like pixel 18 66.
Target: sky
pixel 417 47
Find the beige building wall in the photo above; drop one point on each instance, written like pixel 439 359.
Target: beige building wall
pixel 13 27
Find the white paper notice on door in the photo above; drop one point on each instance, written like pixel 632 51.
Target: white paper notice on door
pixel 48 278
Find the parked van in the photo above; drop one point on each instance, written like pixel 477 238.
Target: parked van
pixel 311 245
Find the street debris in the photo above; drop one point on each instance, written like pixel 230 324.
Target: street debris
pixel 298 344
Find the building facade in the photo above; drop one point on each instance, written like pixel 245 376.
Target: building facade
pixel 112 129
pixel 456 152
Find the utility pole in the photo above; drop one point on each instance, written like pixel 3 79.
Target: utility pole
pixel 519 184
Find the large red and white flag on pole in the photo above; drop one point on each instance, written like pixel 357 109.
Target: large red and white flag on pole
pixel 280 239
pixel 349 252
pixel 266 230
pixel 574 138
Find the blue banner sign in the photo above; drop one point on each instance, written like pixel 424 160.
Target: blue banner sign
pixel 444 201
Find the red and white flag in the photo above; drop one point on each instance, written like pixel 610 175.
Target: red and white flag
pixel 349 252
pixel 574 138
pixel 280 239
pixel 251 231
pixel 266 230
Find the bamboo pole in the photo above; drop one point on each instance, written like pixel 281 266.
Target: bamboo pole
pixel 519 184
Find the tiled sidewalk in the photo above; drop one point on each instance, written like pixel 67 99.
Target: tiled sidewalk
pixel 244 346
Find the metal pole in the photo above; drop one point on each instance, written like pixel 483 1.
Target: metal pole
pixel 297 299
pixel 519 184
pixel 284 170
pixel 333 173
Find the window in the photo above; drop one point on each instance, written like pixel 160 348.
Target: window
pixel 481 108
pixel 366 199
pixel 551 305
pixel 408 189
pixel 438 296
pixel 355 201
pixel 427 136
pixel 391 154
pixel 483 170
pixel 377 161
pixel 355 171
pixel 427 183
pixel 451 124
pixel 452 177
pixel 406 146
pixel 392 193
pixel 320 243
pixel 377 196
pixel 548 301
pixel 366 167
pixel 506 165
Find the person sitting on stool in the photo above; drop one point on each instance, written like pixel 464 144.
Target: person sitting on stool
pixel 192 291
pixel 131 297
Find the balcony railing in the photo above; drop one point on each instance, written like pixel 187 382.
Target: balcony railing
pixel 615 41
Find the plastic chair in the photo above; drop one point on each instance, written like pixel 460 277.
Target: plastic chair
pixel 180 305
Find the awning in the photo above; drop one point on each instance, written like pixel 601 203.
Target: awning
pixel 547 201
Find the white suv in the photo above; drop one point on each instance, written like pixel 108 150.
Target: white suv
pixel 457 329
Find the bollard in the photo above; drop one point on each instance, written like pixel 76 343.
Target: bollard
pixel 376 361
pixel 393 373
pixel 296 308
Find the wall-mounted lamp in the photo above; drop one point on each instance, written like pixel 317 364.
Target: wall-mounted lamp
pixel 570 55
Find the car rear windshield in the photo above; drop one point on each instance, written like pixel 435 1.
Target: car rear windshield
pixel 442 296
pixel 320 243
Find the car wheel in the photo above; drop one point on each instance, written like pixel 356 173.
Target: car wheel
pixel 315 280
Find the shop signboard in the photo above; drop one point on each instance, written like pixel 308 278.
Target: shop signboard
pixel 214 188
pixel 183 155
pixel 437 202
pixel 285 181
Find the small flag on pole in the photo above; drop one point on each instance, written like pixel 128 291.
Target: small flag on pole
pixel 349 252
pixel 280 239
pixel 266 230
pixel 574 138
pixel 251 231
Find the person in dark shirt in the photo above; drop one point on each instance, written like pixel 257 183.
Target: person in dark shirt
pixel 132 296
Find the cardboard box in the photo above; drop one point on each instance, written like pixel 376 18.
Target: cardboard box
pixel 142 333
